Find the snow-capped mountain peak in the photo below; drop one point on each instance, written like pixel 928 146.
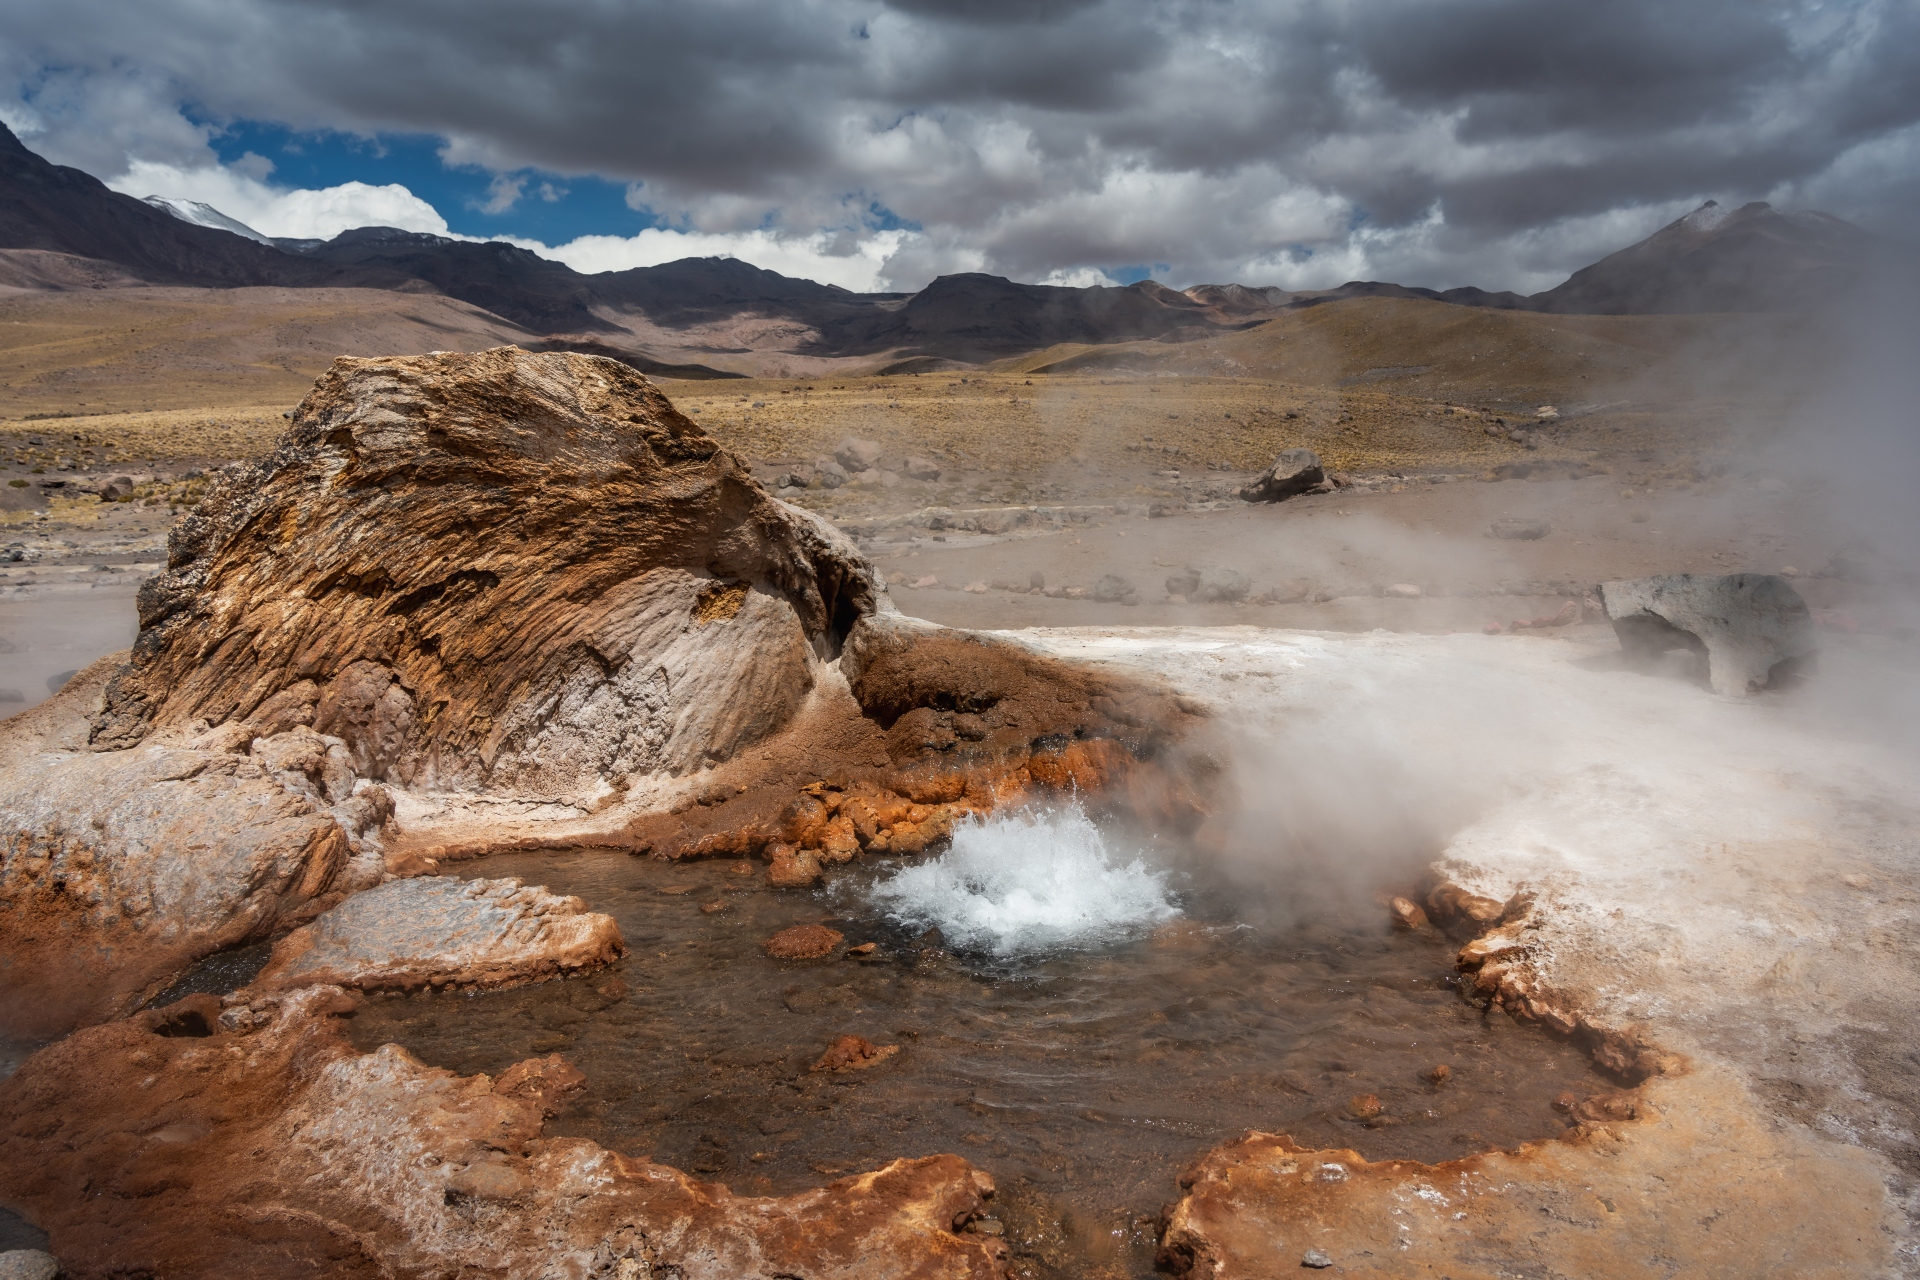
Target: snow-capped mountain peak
pixel 205 215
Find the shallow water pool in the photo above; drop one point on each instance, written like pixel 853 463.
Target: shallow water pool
pixel 1083 1067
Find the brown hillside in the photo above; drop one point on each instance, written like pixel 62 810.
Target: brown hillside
pixel 1433 349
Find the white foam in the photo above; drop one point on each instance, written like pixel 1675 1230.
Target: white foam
pixel 1027 881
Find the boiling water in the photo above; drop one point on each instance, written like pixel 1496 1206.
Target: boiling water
pixel 1080 1021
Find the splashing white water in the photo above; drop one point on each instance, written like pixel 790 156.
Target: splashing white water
pixel 1027 881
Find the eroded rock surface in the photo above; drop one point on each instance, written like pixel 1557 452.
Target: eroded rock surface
pixel 503 574
pixel 265 1146
pixel 1749 625
pixel 435 930
pixel 120 869
pixel 1692 1180
pixel 1294 472
pixel 499 570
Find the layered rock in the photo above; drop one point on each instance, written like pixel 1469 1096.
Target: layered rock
pixel 138 1147
pixel 435 930
pixel 503 573
pixel 504 570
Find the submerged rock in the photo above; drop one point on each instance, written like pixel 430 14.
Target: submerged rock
pixel 408 934
pixel 804 942
pixel 854 1053
pixel 1750 626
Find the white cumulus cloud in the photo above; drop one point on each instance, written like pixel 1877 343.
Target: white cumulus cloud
pixel 302 212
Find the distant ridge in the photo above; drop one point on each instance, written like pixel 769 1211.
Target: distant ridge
pixel 1755 258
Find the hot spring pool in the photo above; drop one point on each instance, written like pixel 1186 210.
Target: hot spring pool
pixel 1076 1018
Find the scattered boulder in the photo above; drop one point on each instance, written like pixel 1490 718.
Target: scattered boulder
pixel 1519 529
pixel 433 930
pixel 1213 586
pixel 1112 589
pixel 854 1053
pixel 803 942
pixel 857 455
pixel 1183 582
pixel 918 468
pixel 1294 472
pixel 1289 591
pixel 828 474
pixel 1752 627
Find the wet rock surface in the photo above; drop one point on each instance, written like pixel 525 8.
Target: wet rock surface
pixel 1749 625
pixel 435 930
pixel 139 1152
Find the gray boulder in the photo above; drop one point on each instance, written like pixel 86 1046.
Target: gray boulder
pixel 1519 529
pixel 1221 586
pixel 1112 589
pixel 1752 627
pixel 857 455
pixel 28 1264
pixel 918 468
pixel 1183 582
pixel 828 474
pixel 1294 472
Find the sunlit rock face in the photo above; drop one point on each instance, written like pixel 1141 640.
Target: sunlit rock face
pixel 497 570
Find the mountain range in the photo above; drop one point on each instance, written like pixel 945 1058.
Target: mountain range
pixel 1755 258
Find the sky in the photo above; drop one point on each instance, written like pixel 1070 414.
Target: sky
pixel 876 144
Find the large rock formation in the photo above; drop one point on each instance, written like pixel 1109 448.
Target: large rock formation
pixel 1750 626
pixel 504 571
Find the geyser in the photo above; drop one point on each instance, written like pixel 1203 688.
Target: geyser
pixel 1026 881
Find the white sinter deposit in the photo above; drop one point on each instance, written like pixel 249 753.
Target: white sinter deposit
pixel 1735 873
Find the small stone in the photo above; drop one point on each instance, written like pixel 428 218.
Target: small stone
pixel 975 588
pixel 28 1264
pixel 1407 914
pixel 1517 529
pixel 1364 1106
pixel 1440 1074
pixel 854 1053
pixel 864 949
pixel 709 908
pixel 1315 1259
pixel 1565 1102
pixel 792 868
pixel 1403 590
pixel 803 942
pixel 742 868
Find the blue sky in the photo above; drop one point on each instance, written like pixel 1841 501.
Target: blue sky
pixel 550 209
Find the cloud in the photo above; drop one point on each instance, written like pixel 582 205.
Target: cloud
pixel 1440 142
pixel 304 213
pixel 857 264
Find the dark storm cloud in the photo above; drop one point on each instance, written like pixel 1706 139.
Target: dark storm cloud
pixel 1501 142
